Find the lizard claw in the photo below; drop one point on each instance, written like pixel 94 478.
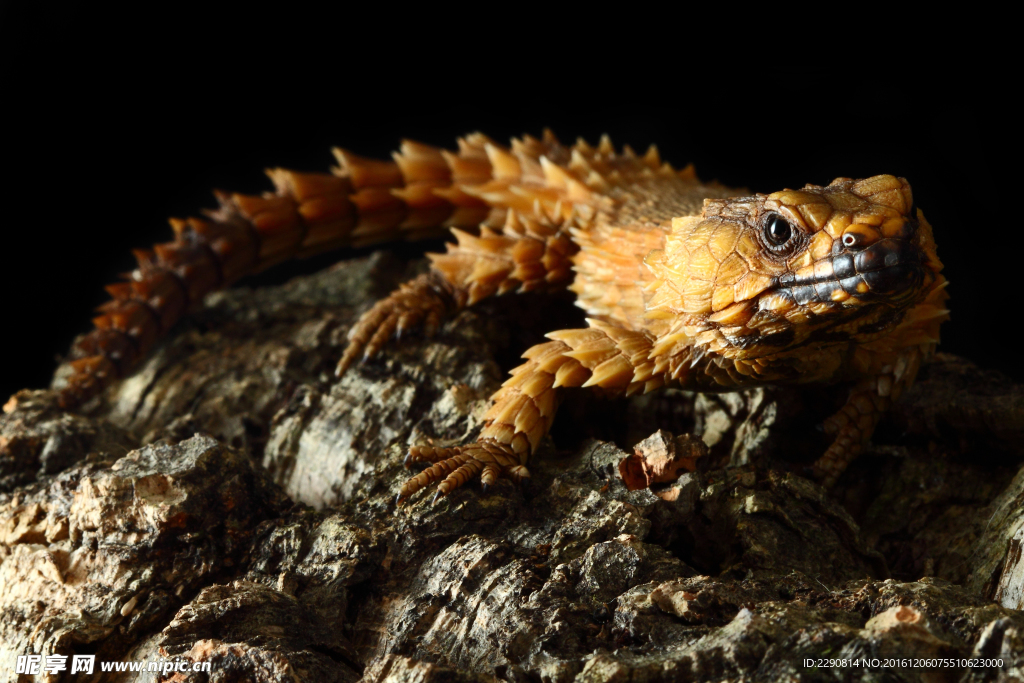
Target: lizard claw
pixel 453 467
pixel 419 302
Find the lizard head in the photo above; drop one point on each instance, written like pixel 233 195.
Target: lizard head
pixel 766 274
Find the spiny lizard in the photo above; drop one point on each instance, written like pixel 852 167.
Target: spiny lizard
pixel 685 283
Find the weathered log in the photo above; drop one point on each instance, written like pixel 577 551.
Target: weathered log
pixel 232 503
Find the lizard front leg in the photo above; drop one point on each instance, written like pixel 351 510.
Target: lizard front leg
pixel 855 422
pixel 526 256
pixel 604 356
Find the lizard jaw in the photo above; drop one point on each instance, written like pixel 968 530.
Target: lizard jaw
pixel 888 269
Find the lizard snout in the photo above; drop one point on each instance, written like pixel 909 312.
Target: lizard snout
pixel 888 266
pixel 884 268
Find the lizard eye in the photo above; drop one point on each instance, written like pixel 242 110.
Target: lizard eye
pixel 777 230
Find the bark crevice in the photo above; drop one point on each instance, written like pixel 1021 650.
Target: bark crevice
pixel 232 502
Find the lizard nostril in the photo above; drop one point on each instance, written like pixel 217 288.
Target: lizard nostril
pixel 852 240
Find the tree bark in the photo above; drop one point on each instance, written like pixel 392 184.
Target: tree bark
pixel 232 503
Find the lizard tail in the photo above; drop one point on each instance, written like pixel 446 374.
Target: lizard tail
pixel 417 195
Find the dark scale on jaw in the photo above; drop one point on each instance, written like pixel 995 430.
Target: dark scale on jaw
pixel 871 259
pixel 892 280
pixel 849 284
pixel 842 266
pixel 824 289
pixel 804 294
pixel 883 280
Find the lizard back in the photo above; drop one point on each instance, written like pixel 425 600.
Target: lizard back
pixel 610 270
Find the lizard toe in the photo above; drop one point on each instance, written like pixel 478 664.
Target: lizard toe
pixel 415 305
pixel 453 467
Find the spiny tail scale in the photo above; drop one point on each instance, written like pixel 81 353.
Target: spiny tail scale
pixel 511 204
pixel 362 202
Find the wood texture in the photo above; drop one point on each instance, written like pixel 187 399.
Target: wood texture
pixel 270 546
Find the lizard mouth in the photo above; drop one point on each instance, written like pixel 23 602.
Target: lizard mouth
pixel 888 269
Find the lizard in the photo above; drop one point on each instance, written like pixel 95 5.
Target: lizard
pixel 685 283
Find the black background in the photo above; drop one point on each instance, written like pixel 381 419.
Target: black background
pixel 114 120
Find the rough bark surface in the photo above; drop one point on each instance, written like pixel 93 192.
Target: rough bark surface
pixel 232 503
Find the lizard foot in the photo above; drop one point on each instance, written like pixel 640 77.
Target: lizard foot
pixel 827 469
pixel 457 465
pixel 852 427
pixel 421 302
